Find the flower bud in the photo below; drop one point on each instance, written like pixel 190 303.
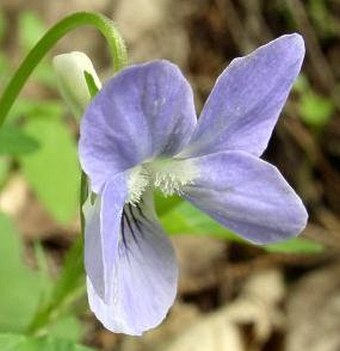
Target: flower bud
pixel 70 69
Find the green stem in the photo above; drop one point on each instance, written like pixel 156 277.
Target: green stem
pixel 53 35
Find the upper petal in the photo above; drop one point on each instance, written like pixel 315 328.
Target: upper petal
pixel 244 105
pixel 247 195
pixel 144 279
pixel 144 111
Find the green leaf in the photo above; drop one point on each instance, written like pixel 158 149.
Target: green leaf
pixel 44 74
pixel 14 142
pixel 72 277
pixel 17 342
pixel 186 219
pixel 165 204
pixel 301 84
pixel 32 108
pixel 316 110
pixel 20 287
pixel 31 29
pixel 68 328
pixel 53 170
pixel 69 287
pixel 5 165
pixel 296 245
pixel 24 292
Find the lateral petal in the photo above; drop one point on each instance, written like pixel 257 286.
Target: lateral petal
pixel 247 195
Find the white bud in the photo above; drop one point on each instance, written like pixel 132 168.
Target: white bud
pixel 70 69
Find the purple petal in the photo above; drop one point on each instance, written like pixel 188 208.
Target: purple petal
pixel 244 105
pixel 247 195
pixel 144 111
pixel 102 226
pixel 145 275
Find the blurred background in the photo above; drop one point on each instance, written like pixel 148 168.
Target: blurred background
pixel 232 295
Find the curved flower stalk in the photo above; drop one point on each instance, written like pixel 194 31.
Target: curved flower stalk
pixel 140 133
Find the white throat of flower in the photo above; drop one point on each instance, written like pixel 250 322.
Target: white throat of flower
pixel 167 175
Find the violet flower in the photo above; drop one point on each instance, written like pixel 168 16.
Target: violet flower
pixel 140 133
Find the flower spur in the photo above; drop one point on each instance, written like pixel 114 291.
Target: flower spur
pixel 141 133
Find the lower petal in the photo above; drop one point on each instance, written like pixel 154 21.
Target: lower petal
pixel 247 195
pixel 144 280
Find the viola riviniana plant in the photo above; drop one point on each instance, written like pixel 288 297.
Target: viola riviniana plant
pixel 141 133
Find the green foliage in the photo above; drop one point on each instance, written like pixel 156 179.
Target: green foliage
pixel 165 204
pixel 296 245
pixel 69 286
pixel 31 29
pixel 72 277
pixel 26 293
pixel 324 21
pixel 186 219
pixel 14 342
pixel 314 109
pixel 53 170
pixel 38 306
pixel 14 142
pixel 67 327
pixel 29 108
pixel 21 288
pixel 4 169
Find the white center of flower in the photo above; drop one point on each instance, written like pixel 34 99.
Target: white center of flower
pixel 138 181
pixel 167 175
